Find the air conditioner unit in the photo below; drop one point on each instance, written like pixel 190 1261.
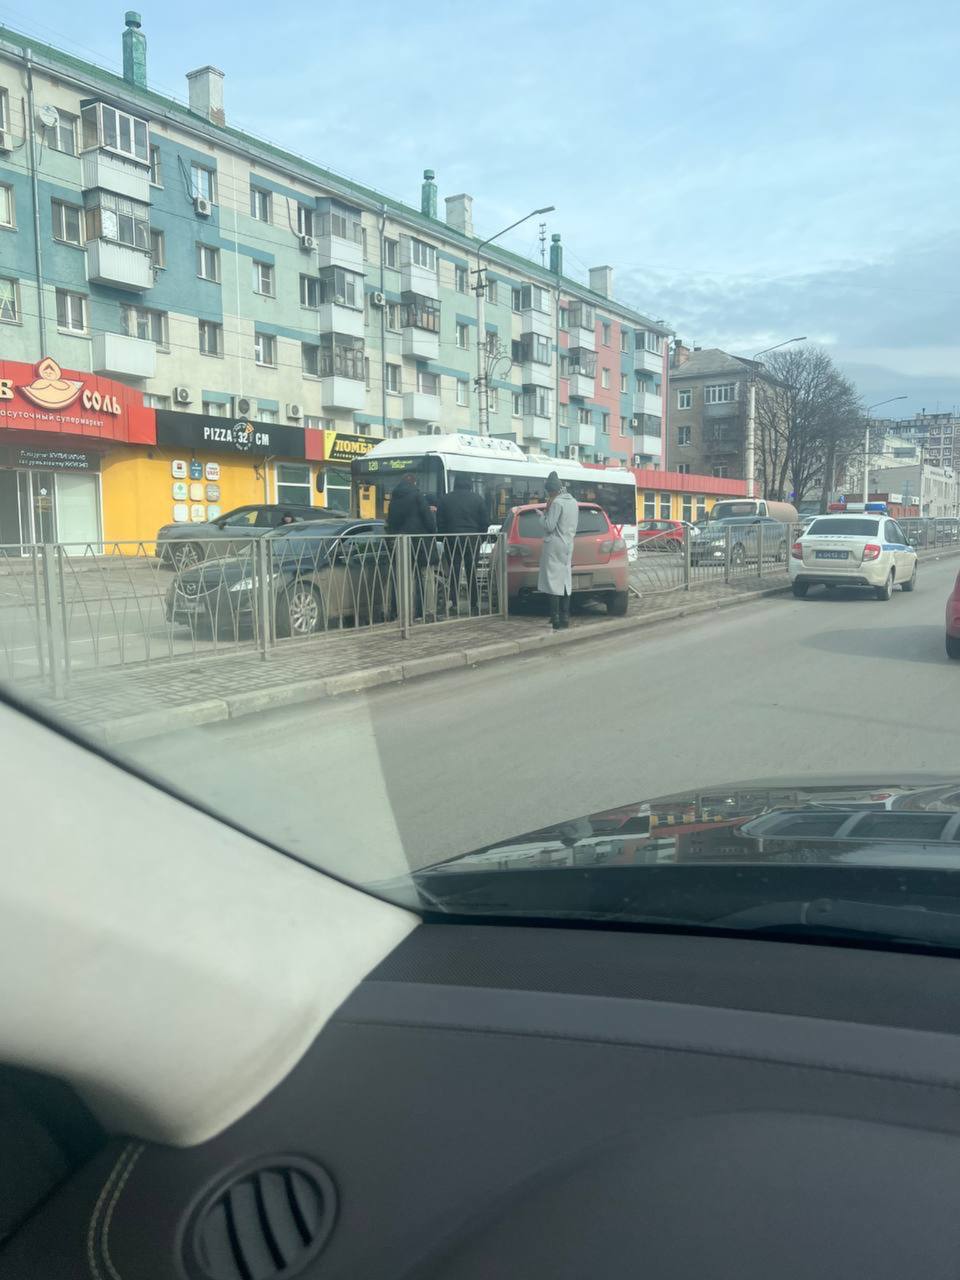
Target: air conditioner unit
pixel 294 411
pixel 573 452
pixel 378 299
pixel 243 406
pixel 307 242
pixel 6 141
pixel 202 206
pixel 181 395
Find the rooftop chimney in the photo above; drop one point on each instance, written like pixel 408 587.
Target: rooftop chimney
pixel 681 354
pixel 556 255
pixel 428 194
pixel 134 51
pixel 206 93
pixel 460 213
pixel 601 280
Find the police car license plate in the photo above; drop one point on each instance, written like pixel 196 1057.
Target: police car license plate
pixel 832 555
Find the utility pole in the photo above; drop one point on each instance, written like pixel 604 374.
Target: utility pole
pixel 866 443
pixel 543 244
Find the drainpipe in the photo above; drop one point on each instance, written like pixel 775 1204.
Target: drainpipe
pixel 37 250
pixel 383 329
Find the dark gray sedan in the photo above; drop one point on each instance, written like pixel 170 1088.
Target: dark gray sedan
pixel 181 545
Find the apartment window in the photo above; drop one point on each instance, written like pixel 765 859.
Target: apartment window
pixel 428 384
pixel 309 291
pixel 341 356
pixel 564 362
pixel 293 483
pixel 304 220
pixel 71 311
pixel 491 291
pixel 420 312
pixel 155 402
pixel 721 472
pixel 61 136
pixel 665 506
pixel 683 435
pixel 563 415
pixel 67 222
pixel 265 349
pixel 463 336
pixel 535 347
pixel 564 317
pixel 263 279
pixel 701 506
pixel 493 398
pixel 203 182
pixel 649 506
pixel 583 418
pixel 391 253
pixel 392 378
pixel 536 401
pixel 211 338
pixel 534 298
pixel 146 323
pixel 423 254
pixel 267 415
pixel 119 219
pixel 516 299
pixel 214 408
pixel 720 393
pixel 208 262
pixel 516 404
pixel 648 341
pixel 393 316
pixel 683 468
pixel 260 204
pixel 624 383
pixel 605 423
pixel 493 343
pixel 582 316
pixel 156 172
pixel 462 392
pixel 158 250
pixel 684 399
pixel 363 240
pixel 342 222
pixel 313 423
pixel 460 279
pixel 583 362
pixel 605 332
pixel 605 377
pixel 624 426
pixel 105 126
pixel 344 288
pixel 310 359
pixel 624 344
pixel 9 300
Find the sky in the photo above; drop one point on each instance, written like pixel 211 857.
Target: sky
pixel 752 172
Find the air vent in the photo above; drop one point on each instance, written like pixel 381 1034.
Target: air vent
pixel 267 1223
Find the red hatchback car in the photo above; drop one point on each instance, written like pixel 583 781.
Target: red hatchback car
pixel 600 569
pixel 953 621
pixel 660 535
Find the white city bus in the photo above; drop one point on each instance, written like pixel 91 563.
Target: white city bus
pixel 498 469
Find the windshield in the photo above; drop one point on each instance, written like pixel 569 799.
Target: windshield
pixel 712 285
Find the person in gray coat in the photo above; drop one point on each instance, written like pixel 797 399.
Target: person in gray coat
pixel 556 559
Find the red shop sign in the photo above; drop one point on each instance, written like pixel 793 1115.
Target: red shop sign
pixel 44 397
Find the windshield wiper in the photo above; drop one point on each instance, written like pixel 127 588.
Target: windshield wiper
pixel 859 919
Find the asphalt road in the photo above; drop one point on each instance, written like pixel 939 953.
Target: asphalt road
pixel 835 684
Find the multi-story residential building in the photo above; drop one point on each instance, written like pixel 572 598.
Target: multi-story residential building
pixel 707 411
pixel 938 433
pixel 150 243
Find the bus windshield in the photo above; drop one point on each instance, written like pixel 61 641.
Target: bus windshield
pixel 374 480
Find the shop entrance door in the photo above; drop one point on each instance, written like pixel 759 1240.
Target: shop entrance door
pixel 78 523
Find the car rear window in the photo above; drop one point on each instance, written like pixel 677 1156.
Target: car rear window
pixel 529 525
pixel 591 521
pixel 852 528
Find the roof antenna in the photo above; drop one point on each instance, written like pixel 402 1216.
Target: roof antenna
pixel 543 244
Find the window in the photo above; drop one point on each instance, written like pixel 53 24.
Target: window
pixel 267 415
pixel 462 392
pixel 293 483
pixel 363 238
pixel 304 220
pixel 624 383
pixel 392 379
pixel 647 341
pixel 203 182
pixel 493 398
pixel 536 401
pixel 624 344
pixel 684 399
pixel 583 362
pixel 683 435
pixel 211 338
pixel 105 126
pixel 341 356
pixel 366 371
pixel 605 332
pixel 8 209
pixel 516 299
pixel 686 508
pixel 534 298
pixel 460 279
pixel 516 404
pixel 605 377
pixel 491 291
pixel 493 342
pixel 214 408
pixel 423 254
pixel 344 288
pixel 309 291
pixel 463 336
pixel 9 300
pixel 428 384
pixel 119 219
pixel 564 317
pixel 720 393
pixel 701 506
pixel 312 423
pixel 393 316
pixel 263 278
pixel 208 262
pixel 624 426
pixel 261 204
pixel 4 110
pixel 265 349
pixel 310 359
pixel 563 412
pixel 158 250
pixel 156 172
pixel 535 347
pixel 721 472
pixel 420 312
pixel 564 361
pixel 144 322
pixel 605 423
pixel 582 316
pixel 61 136
pixel 67 222
pixel 342 222
pixel 391 253
pixel 683 468
pixel 583 418
pixel 649 506
pixel 71 311
pixel 156 402
pixel 664 506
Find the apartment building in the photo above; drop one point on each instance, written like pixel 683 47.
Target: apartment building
pixel 146 242
pixel 707 411
pixel 938 434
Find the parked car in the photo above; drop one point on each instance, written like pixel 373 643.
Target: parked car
pixel 321 573
pixel 709 540
pixel 953 621
pixel 860 549
pixel 180 545
pixel 661 535
pixel 600 566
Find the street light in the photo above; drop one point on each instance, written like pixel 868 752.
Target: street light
pixel 749 460
pixel 866 444
pixel 482 400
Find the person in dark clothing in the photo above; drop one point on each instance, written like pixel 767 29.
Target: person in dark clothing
pixel 410 513
pixel 463 512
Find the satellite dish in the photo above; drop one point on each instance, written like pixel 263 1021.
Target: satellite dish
pixel 48 116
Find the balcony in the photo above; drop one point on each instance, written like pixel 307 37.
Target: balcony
pixel 533 321
pixel 108 172
pixel 585 338
pixel 420 344
pixel 119 265
pixel 535 428
pixel 649 446
pixel 334 318
pixel 647 403
pixel 583 434
pixel 418 406
pixel 120 356
pixel 335 251
pixel 417 279
pixel 649 361
pixel 337 392
pixel 581 386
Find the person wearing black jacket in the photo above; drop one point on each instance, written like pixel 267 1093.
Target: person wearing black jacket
pixel 463 512
pixel 410 513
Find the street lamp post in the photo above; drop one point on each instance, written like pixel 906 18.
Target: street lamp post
pixel 483 411
pixel 749 460
pixel 866 444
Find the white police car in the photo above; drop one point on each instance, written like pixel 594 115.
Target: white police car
pixel 859 547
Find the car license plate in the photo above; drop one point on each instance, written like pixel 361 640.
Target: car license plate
pixel 832 555
pixel 582 580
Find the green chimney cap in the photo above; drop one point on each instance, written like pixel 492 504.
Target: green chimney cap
pixel 428 175
pixel 133 18
pixel 555 237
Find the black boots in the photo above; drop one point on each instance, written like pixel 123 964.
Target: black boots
pixel 560 612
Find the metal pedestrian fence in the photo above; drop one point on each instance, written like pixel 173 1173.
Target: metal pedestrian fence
pixel 711 555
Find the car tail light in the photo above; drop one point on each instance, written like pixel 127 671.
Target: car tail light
pixel 797 551
pixel 872 551
pixel 612 544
